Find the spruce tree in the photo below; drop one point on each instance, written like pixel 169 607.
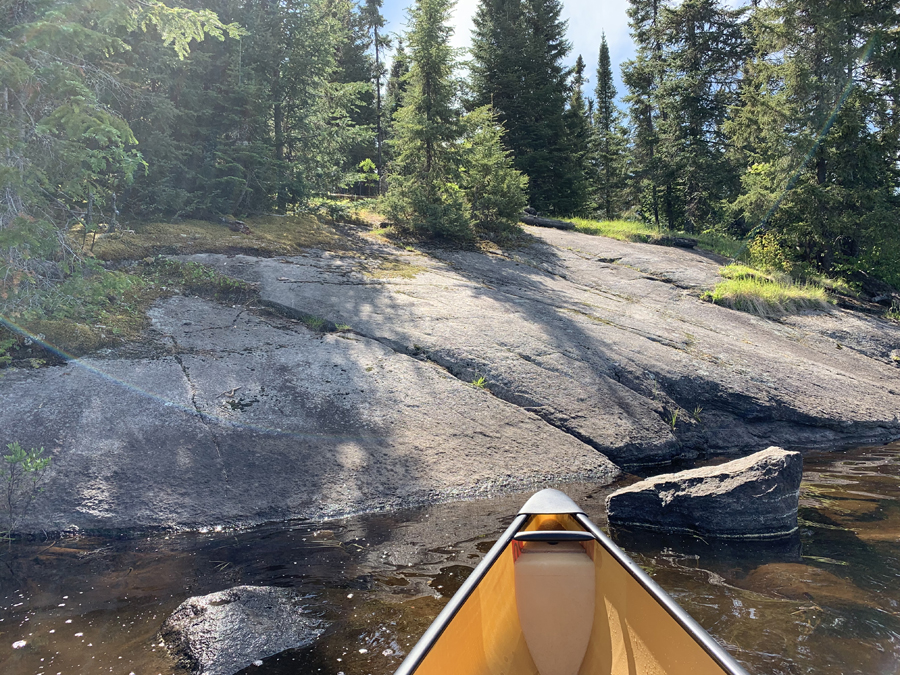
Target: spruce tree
pixel 423 193
pixel 609 140
pixel 821 178
pixel 575 188
pixel 518 48
pixel 495 191
pixel 355 65
pixel 374 22
pixel 704 48
pixel 642 75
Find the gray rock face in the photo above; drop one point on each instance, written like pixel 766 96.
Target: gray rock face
pixel 222 633
pixel 607 340
pixel 754 497
pixel 587 348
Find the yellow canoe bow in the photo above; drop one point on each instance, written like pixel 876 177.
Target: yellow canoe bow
pixel 555 596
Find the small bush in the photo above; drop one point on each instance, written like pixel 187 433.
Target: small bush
pixel 768 251
pixel 21 474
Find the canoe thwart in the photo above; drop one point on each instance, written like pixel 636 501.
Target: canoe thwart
pixel 553 536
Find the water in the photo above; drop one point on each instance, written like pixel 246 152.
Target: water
pixel 826 601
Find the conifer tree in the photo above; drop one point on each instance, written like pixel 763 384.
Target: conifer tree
pixel 64 155
pixel 424 193
pixel 642 75
pixel 495 191
pixel 374 22
pixel 609 140
pixel 518 47
pixel 396 84
pixel 576 187
pixel 355 64
pixel 821 181
pixel 704 49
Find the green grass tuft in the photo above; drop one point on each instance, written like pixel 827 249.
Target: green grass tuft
pixel 637 231
pixel 750 291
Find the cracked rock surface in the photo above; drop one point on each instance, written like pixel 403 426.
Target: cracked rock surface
pixel 590 350
pixel 610 342
pixel 253 418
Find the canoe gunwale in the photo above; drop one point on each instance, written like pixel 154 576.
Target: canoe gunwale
pixel 421 649
pixel 686 621
pixel 418 653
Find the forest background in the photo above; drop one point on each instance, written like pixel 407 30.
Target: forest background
pixel 775 125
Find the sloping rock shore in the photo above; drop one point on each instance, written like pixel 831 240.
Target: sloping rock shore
pixel 609 342
pixel 588 348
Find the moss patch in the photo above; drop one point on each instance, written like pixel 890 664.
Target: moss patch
pixel 268 236
pixel 102 308
pixel 394 269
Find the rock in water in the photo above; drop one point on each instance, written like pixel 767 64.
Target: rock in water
pixel 753 497
pixel 223 633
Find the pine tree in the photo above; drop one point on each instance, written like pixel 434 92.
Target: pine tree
pixel 355 64
pixel 609 140
pixel 704 49
pixel 424 193
pixel 642 75
pixel 374 22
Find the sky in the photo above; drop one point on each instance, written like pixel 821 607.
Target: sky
pixel 588 19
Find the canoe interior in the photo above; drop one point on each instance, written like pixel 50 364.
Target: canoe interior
pixel 632 633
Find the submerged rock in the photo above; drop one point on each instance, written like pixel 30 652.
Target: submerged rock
pixel 223 633
pixel 756 496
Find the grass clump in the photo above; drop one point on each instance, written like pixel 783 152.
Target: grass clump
pixel 98 308
pixel 637 231
pixel 749 290
pixel 196 279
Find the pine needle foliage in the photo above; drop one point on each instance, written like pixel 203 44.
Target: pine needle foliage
pixel 424 194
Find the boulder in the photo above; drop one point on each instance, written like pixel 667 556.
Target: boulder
pixel 753 497
pixel 223 633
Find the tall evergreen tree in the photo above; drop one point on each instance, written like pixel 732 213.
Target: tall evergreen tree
pixel 396 84
pixel 822 178
pixel 375 22
pixel 518 48
pixel 355 65
pixel 704 49
pixel 609 140
pixel 577 185
pixel 423 192
pixel 642 75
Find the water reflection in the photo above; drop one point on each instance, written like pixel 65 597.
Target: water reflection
pixel 826 600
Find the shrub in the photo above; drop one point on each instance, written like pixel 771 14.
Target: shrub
pixel 21 474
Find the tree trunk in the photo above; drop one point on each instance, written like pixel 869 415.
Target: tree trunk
pixel 546 222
